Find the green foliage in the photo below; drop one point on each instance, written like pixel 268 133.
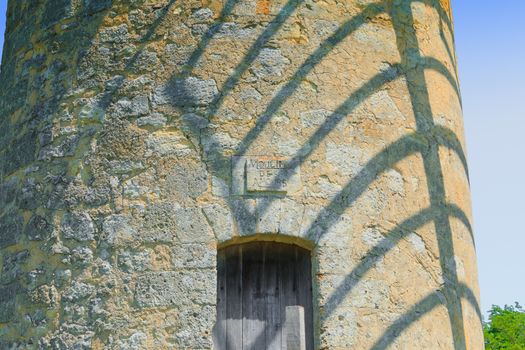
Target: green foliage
pixel 505 329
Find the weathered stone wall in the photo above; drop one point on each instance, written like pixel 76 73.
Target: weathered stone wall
pixel 127 129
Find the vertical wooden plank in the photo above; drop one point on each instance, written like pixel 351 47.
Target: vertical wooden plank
pixel 258 282
pixel 282 286
pixel 289 295
pixel 304 264
pixel 273 307
pixel 247 285
pixel 219 331
pixel 253 298
pixel 234 298
pixel 293 293
pixel 294 329
pixel 260 298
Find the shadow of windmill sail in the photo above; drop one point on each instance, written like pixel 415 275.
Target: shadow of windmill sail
pixel 239 174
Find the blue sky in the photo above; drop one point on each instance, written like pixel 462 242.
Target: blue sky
pixel 490 42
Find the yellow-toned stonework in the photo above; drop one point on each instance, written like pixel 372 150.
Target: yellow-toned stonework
pixel 127 129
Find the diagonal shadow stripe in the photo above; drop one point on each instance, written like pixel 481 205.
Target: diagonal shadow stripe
pixel 357 97
pixel 450 52
pixel 375 254
pixel 326 47
pixel 294 83
pixel 467 293
pixel 445 137
pixel 441 12
pixel 440 135
pixel 309 64
pixel 421 308
pixel 160 17
pixel 107 98
pixel 314 59
pixel 227 10
pixel 426 305
pixel 331 122
pixel 384 160
pixel 433 64
pixel 410 52
pixel 253 53
pixel 458 213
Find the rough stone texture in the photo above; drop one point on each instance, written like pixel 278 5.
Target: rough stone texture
pixel 189 92
pixel 78 226
pixel 122 124
pixel 7 302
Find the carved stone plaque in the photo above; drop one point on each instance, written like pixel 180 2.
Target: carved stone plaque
pixel 264 174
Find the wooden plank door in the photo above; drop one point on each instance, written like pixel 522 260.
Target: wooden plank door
pixel 256 282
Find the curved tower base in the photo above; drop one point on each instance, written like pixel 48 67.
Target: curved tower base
pixel 140 138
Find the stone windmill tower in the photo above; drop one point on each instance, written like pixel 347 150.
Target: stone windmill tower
pixel 233 174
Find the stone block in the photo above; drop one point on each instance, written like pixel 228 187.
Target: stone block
pixel 62 148
pixel 125 166
pixel 154 120
pixel 244 216
pixel 117 35
pixel 202 15
pixel 45 295
pixel 168 144
pixel 134 261
pixel 291 217
pixel 191 225
pixel 270 63
pixel 55 11
pixel 157 289
pixel 172 289
pixel 317 117
pixel 136 341
pixel 189 92
pixel 117 229
pixel 194 326
pixel 12 267
pixel 340 329
pixel 8 302
pixel 78 226
pixel 78 291
pixel 221 221
pixel 22 152
pixel 81 256
pixel 234 31
pixel 145 61
pixel 194 256
pixel 8 191
pixel 187 179
pixel 11 226
pixel 30 196
pixel 347 159
pixel 92 109
pixel 94 6
pixel 137 106
pixel 219 187
pixel 268 215
pixel 193 124
pixel 159 223
pixel 216 144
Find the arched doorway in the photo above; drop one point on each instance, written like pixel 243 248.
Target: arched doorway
pixel 259 284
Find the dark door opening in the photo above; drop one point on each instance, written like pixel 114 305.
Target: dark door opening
pixel 256 283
